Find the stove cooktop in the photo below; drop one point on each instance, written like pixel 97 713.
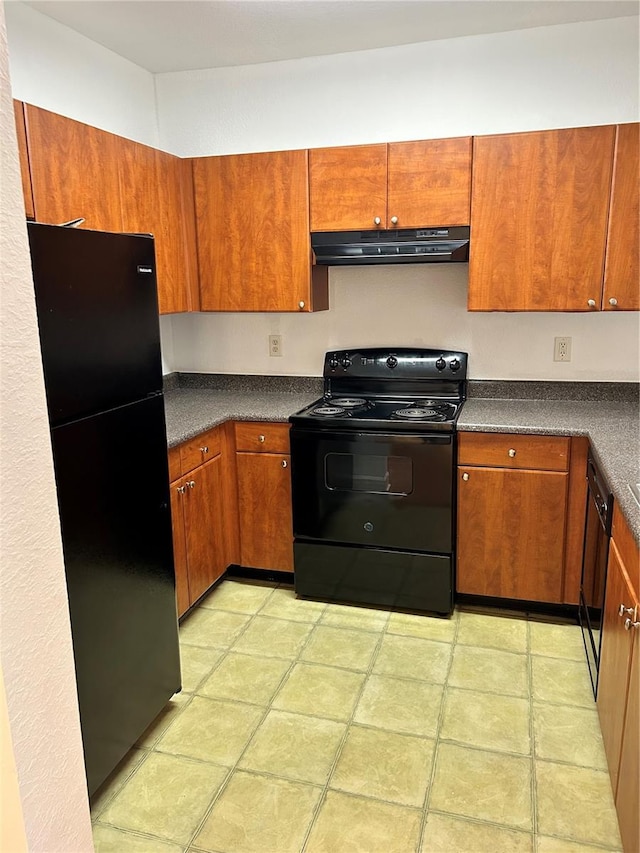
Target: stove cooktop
pixel 367 413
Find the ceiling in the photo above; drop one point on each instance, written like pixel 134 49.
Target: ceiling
pixel 182 35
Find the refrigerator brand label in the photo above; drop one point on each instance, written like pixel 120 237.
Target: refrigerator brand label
pixel 145 269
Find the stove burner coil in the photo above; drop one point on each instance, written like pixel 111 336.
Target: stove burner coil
pixel 350 402
pixel 328 411
pixel 418 414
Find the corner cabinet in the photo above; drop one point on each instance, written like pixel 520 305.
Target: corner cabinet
pixel 395 185
pixel 264 496
pixel 540 204
pixel 512 499
pixel 619 679
pixel 252 215
pixel 72 170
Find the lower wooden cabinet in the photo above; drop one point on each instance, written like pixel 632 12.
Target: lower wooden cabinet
pixel 264 497
pixel 512 515
pixel 619 680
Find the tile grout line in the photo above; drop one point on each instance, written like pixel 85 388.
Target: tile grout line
pixel 437 739
pixel 336 758
pixel 532 742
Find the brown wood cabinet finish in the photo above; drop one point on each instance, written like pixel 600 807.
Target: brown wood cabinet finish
pixel 74 171
pixel 511 450
pixel 621 276
pixel 577 500
pixel 430 182
pixel 348 187
pixel 264 511
pixel 200 449
pixel 23 153
pixel 180 563
pixel 511 530
pixel 619 679
pixel 539 216
pixel 262 437
pixel 252 214
pixel 204 526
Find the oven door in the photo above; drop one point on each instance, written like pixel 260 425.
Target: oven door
pixel 377 490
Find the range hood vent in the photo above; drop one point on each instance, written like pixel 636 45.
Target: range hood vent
pixel 402 246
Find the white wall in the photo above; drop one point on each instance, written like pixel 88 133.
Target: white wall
pixel 35 637
pixel 562 76
pixel 56 68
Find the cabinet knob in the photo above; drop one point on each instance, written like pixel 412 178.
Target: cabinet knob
pixel 394 220
pixel 613 301
pixel 204 449
pixel 284 463
pixel 301 304
pixel 191 484
pixel 377 220
pixel 181 489
pixel 628 624
pixel 465 477
pixel 261 439
pixel 512 452
pixel 591 303
pixel 622 610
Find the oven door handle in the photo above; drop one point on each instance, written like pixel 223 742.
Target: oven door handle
pixel 352 435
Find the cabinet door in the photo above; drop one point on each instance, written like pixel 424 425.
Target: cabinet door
pixel 203 507
pixel 540 203
pixel 348 188
pixel 511 527
pixel 430 182
pixel 615 660
pixel 621 269
pixel 74 171
pixel 264 511
pixel 628 793
pixel 252 216
pixel 152 201
pixel 23 153
pixel 183 599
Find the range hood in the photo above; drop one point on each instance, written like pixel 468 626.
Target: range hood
pixel 402 246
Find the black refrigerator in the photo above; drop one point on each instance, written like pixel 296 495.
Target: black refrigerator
pixel 99 333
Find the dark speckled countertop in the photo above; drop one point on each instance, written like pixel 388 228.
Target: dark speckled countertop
pixel 606 413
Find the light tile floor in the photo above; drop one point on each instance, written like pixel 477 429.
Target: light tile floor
pixel 323 728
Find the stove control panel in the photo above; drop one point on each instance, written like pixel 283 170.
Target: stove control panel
pixel 399 363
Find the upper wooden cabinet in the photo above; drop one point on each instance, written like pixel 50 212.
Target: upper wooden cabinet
pixel 155 192
pixel 252 215
pixel 540 204
pixel 23 153
pixel 74 171
pixel 399 185
pixel 621 276
pixel 116 185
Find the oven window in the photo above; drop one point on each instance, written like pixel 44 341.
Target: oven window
pixel 345 472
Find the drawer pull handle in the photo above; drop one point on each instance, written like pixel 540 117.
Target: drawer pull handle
pixel 465 477
pixel 204 449
pixel 376 220
pixel 613 301
pixel 261 439
pixel 622 610
pixel 628 624
pixel 191 484
pixel 181 489
pixel 284 463
pixel 591 303
pixel 512 452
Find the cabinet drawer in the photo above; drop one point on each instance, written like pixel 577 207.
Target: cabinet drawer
pixel 265 437
pixel 502 450
pixel 200 449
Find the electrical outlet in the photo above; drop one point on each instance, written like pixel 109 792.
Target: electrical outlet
pixel 562 349
pixel 275 345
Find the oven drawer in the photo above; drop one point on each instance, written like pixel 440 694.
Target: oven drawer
pixel 502 450
pixel 262 437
